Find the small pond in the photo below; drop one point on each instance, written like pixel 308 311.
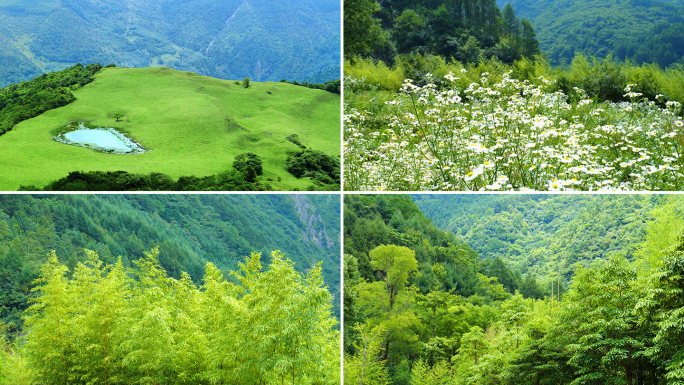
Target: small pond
pixel 103 139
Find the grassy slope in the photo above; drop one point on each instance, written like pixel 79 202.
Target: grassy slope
pixel 181 118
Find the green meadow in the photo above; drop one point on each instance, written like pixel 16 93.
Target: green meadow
pixel 191 125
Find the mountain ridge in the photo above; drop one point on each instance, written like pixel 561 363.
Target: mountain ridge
pixel 288 40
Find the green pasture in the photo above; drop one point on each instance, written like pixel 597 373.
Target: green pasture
pixel 186 121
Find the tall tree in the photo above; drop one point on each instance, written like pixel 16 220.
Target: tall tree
pixel 510 21
pixel 530 45
pixel 362 32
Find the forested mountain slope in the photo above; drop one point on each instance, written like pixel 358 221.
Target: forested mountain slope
pixel 645 31
pixel 548 234
pixel 190 230
pixel 421 307
pixel 261 39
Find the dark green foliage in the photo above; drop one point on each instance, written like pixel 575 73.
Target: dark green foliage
pixel 29 99
pixel 323 169
pixel 294 138
pixel 315 164
pixel 503 274
pixel 245 83
pixel 643 31
pixel 249 164
pixel 330 86
pixel 462 30
pixel 232 180
pixel 362 32
pixel 369 221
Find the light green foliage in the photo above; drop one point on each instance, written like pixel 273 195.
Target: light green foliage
pixel 396 264
pixel 423 374
pixel 366 366
pixel 111 325
pixel 661 234
pixel 5 354
pixel 50 347
pixel 616 324
pixel 608 341
pixel 668 300
pixel 190 230
pixel 188 121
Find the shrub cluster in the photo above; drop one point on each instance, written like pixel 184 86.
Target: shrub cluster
pixel 316 165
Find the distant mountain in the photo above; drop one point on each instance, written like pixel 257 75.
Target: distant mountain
pixel 644 31
pixel 545 234
pixel 265 40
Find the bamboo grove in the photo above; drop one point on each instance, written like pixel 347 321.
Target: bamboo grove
pixel 108 324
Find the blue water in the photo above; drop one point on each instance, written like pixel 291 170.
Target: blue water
pixel 105 139
pixel 98 138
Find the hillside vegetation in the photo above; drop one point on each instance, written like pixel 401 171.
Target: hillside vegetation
pixel 547 235
pixel 118 325
pixel 644 31
pixel 422 306
pixel 191 125
pixel 264 40
pixel 395 31
pixel 189 231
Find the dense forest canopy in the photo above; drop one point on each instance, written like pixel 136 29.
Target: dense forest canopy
pixel 189 230
pixel 264 40
pixel 550 234
pixel 463 30
pixel 423 307
pixel 643 31
pixel 102 323
pixel 29 99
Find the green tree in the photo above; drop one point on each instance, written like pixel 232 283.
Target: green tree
pixel 97 329
pixel 510 21
pixel 667 299
pixel 362 32
pixel 530 45
pixel 395 265
pixel 245 83
pixel 249 164
pixel 366 366
pixel 609 341
pixel 50 349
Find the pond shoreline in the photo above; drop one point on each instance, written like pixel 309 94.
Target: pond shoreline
pixel 119 138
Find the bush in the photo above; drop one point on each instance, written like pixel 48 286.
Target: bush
pixel 314 164
pixel 249 164
pixel 245 82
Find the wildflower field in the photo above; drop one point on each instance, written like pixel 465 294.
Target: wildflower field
pixel 499 133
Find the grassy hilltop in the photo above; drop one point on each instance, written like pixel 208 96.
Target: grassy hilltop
pixel 192 125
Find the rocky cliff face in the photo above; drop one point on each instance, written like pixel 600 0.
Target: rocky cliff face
pixel 315 228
